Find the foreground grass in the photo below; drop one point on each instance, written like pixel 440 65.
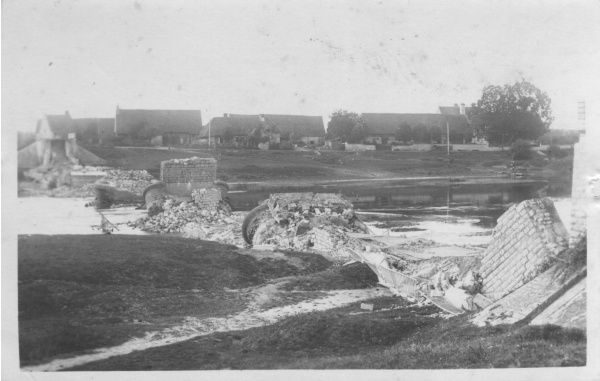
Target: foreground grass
pixel 84 292
pixel 404 337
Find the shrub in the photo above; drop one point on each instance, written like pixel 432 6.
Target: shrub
pixel 556 152
pixel 286 146
pixel 521 150
pixel 539 162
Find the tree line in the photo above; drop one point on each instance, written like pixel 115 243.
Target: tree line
pixel 503 115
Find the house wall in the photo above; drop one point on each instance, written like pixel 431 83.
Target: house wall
pixel 43 131
pixel 359 147
pixel 412 147
pixel 313 140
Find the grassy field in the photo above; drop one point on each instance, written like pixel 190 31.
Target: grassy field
pixel 309 166
pixel 78 293
pixel 395 336
pixel 84 292
pixel 255 165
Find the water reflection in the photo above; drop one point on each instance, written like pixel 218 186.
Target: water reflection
pixel 487 201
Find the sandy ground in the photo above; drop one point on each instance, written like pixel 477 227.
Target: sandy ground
pixel 192 327
pixel 50 215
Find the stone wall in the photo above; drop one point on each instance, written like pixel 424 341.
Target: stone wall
pixel 359 147
pixel 181 176
pixel 528 236
pixel 207 198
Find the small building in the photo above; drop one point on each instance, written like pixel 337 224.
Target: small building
pixel 56 139
pixel 161 127
pixel 425 128
pixel 236 129
pixel 55 142
pixel 305 128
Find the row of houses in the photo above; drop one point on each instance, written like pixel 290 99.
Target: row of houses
pixel 185 127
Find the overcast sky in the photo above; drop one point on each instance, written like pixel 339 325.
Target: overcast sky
pixel 292 57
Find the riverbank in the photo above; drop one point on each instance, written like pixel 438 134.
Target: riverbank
pixel 317 166
pixel 124 302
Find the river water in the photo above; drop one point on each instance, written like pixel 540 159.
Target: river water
pixel 484 201
pixel 474 207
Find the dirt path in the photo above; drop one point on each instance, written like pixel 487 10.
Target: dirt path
pixel 192 327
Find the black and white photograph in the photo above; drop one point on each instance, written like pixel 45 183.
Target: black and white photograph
pixel 270 189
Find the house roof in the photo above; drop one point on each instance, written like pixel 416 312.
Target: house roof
pixel 237 125
pixel 302 125
pixel 453 110
pixel 60 125
pixel 105 126
pixel 166 121
pixel 389 123
pixel 243 125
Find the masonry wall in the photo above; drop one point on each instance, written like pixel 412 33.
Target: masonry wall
pixel 578 194
pixel 528 236
pixel 207 198
pixel 183 176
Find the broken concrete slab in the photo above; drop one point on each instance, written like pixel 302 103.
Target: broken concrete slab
pixel 530 300
pixel 528 237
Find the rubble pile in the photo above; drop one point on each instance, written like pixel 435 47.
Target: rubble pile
pixel 171 216
pixel 134 181
pixel 308 221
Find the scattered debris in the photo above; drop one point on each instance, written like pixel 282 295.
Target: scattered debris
pixel 366 306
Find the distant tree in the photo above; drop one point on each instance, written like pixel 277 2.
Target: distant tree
pixel 521 150
pixel 420 133
pixel 347 126
pixel 404 133
pixel 435 134
pixel 505 114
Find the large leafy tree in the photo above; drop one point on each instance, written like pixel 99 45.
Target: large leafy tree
pixel 510 112
pixel 421 134
pixel 347 126
pixel 404 133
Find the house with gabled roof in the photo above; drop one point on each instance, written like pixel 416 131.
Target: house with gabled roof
pixel 236 129
pixel 56 142
pixel 163 127
pixel 382 127
pixel 456 110
pixel 95 129
pixel 309 129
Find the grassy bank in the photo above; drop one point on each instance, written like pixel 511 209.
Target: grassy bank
pixel 395 336
pixel 78 293
pixel 84 292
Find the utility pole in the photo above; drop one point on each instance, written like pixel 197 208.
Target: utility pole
pixel 209 121
pixel 448 137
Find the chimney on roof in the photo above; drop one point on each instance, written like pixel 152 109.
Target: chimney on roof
pixel 225 115
pixel 462 109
